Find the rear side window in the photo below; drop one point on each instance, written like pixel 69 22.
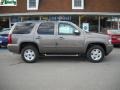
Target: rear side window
pixel 23 28
pixel 46 28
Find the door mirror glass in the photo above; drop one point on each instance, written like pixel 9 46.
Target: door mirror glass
pixel 77 32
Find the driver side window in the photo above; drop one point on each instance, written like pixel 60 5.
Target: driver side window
pixel 66 29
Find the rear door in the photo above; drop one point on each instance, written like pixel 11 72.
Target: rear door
pixel 46 37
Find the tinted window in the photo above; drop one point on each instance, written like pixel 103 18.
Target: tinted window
pixel 66 29
pixel 46 28
pixel 23 28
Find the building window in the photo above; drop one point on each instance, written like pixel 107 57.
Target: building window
pixel 109 23
pixel 77 4
pixel 32 4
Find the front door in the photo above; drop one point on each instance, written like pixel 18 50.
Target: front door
pixel 67 40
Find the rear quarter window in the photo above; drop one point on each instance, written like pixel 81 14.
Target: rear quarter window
pixel 23 28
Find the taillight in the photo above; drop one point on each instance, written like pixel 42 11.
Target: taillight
pixel 9 39
pixel 114 37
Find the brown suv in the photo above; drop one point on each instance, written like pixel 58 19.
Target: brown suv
pixel 32 39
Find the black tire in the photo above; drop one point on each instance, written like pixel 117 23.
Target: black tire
pixel 34 50
pixel 99 58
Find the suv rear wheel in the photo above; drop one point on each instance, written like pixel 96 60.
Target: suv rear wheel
pixel 95 54
pixel 29 54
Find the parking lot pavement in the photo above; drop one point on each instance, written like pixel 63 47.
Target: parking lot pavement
pixel 59 73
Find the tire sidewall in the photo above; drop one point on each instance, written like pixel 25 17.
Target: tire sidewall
pixel 33 49
pixel 89 54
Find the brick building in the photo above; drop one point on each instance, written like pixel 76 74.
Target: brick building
pixel 98 15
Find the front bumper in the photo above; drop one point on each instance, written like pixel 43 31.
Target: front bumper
pixel 109 49
pixel 3 43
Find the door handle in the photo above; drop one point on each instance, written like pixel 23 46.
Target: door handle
pixel 61 38
pixel 38 37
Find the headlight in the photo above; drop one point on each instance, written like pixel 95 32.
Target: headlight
pixel 110 41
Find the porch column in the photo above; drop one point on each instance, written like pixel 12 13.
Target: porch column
pixel 118 23
pixel 79 21
pixel 9 22
pixel 99 27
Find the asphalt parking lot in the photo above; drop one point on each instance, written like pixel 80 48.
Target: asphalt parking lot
pixel 59 73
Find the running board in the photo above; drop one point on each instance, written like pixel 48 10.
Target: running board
pixel 61 55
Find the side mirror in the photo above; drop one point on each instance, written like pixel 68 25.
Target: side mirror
pixel 77 32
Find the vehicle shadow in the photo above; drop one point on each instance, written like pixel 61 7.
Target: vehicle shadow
pixel 62 59
pixel 116 46
pixel 3 47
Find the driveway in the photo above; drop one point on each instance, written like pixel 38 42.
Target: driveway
pixel 59 73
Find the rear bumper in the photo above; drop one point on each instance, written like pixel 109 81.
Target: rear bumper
pixel 109 49
pixel 13 48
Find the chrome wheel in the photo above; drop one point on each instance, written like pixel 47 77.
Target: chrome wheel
pixel 96 54
pixel 29 54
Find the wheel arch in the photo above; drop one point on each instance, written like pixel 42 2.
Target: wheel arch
pixel 23 44
pixel 97 43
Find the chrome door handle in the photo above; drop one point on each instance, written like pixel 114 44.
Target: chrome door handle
pixel 38 37
pixel 61 38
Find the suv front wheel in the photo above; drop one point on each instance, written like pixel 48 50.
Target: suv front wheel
pixel 29 54
pixel 95 54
